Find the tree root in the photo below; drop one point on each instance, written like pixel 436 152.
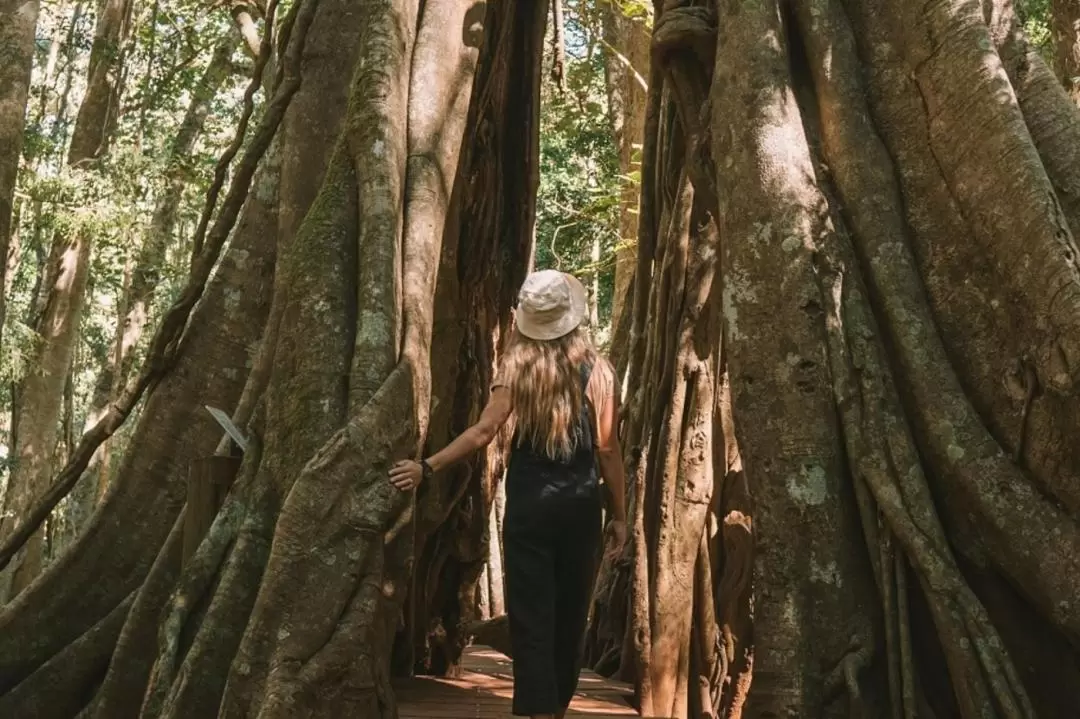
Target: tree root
pixel 194 584
pixel 316 604
pixel 120 695
pixel 866 410
pixel 880 447
pixel 845 676
pixel 77 668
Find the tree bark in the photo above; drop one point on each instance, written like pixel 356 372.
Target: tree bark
pixel 1065 32
pixel 846 162
pixel 308 138
pixel 626 65
pixel 486 248
pixel 18 20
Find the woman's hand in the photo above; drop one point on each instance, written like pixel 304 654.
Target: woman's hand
pixel 406 475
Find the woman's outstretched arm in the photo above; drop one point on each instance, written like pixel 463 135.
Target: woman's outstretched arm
pixel 407 474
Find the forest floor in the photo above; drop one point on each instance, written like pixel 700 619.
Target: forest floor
pixel 484 690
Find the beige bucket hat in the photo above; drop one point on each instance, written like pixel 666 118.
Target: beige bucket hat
pixel 551 304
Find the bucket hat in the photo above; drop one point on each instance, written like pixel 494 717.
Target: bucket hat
pixel 551 304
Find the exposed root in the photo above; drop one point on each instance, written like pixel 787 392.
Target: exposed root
pixel 216 631
pixel 880 447
pixel 77 668
pixel 710 660
pixel 195 583
pixel 845 676
pixel 866 408
pixel 120 695
pixel 307 634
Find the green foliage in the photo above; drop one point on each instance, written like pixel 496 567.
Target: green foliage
pixel 1035 15
pixel 112 200
pixel 578 198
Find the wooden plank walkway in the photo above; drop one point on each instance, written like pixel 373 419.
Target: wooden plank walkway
pixel 486 686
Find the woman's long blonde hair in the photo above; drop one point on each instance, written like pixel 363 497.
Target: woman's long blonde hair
pixel 544 379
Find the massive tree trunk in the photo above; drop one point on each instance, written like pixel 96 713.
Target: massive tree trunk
pixel 18 20
pixel 486 248
pixel 626 65
pixel 894 256
pixel 68 270
pixel 291 602
pixel 115 551
pixel 86 593
pixel 325 488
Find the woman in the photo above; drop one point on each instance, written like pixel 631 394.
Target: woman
pixel 559 395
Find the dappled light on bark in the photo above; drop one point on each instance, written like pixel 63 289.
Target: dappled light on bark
pixel 898 349
pixel 851 347
pixel 341 385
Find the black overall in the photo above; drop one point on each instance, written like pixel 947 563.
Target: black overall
pixel 551 536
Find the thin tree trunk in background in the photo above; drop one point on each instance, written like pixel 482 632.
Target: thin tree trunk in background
pixel 245 24
pixel 41 393
pixel 56 43
pixel 40 401
pixel 100 105
pixel 60 126
pixel 1065 32
pixel 145 273
pixel 18 20
pixel 626 65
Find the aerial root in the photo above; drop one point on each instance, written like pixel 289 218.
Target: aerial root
pixel 896 511
pixel 845 675
pixel 195 581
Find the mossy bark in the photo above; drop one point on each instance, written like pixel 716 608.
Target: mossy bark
pixel 898 348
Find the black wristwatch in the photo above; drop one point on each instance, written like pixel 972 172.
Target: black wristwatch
pixel 425 469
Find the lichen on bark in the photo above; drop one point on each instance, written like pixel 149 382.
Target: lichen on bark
pixel 896 349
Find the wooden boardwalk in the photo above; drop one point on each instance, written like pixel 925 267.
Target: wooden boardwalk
pixel 484 690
